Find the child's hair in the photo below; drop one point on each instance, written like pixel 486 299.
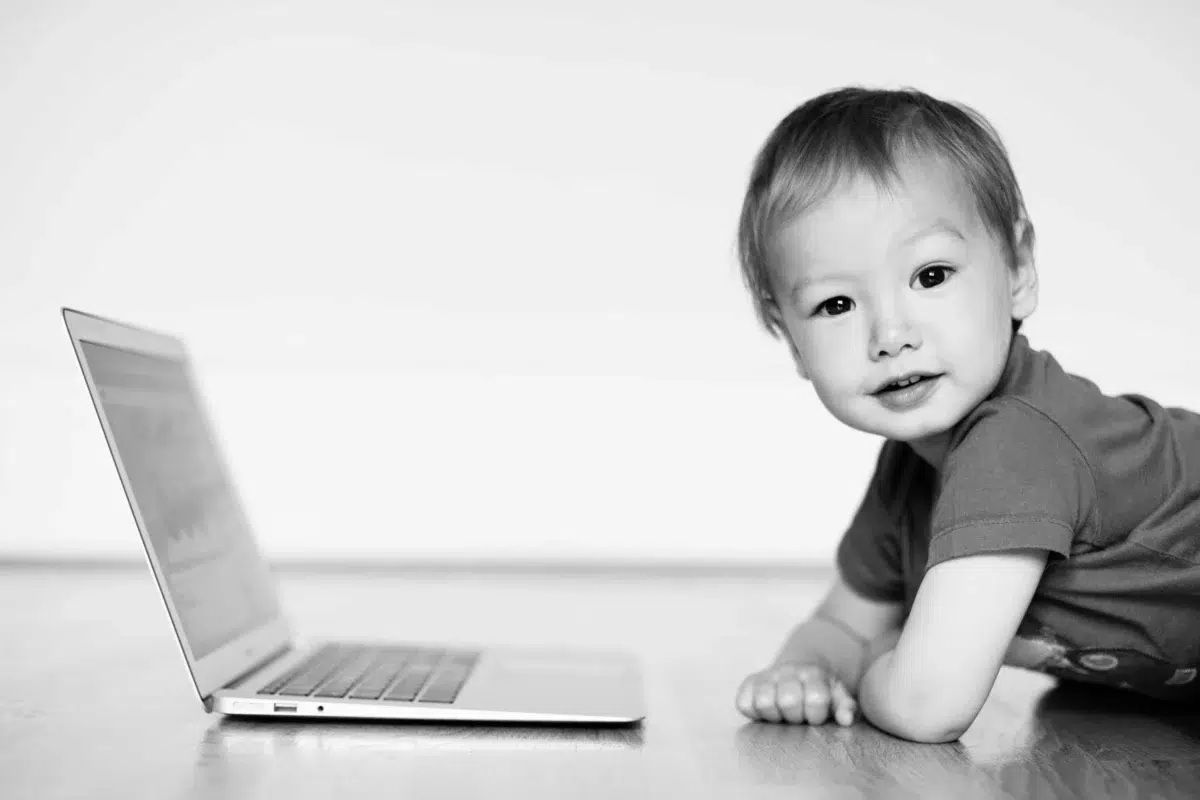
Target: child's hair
pixel 853 131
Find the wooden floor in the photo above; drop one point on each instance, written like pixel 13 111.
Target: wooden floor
pixel 94 702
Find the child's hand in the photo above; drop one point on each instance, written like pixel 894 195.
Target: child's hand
pixel 796 693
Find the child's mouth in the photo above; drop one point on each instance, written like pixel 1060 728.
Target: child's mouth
pixel 902 398
pixel 894 388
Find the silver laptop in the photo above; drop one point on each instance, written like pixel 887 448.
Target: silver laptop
pixel 221 596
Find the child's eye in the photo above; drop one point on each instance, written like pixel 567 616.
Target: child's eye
pixel 836 306
pixel 933 276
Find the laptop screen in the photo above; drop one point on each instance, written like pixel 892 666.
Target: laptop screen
pixel 195 525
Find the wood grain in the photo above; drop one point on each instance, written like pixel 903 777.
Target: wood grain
pixel 95 702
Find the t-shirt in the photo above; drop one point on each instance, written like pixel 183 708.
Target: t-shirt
pixel 1110 486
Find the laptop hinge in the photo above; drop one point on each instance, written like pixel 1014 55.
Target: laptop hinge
pixel 282 650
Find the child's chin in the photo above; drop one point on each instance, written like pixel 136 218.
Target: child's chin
pixel 908 427
pixel 872 417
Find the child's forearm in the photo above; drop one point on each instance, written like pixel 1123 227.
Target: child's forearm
pixel 823 641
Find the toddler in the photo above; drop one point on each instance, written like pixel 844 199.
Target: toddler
pixel 1016 514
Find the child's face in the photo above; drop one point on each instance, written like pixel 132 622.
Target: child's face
pixel 872 286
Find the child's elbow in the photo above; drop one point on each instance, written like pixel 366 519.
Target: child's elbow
pixel 934 732
pixel 930 710
pixel 935 725
pixel 933 722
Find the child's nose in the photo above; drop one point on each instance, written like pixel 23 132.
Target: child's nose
pixel 891 334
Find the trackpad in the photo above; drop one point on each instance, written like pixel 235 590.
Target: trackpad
pixel 603 684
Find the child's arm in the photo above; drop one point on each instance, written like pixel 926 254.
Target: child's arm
pixel 834 636
pixel 860 621
pixel 930 687
pixel 826 654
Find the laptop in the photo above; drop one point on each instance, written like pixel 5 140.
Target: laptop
pixel 221 597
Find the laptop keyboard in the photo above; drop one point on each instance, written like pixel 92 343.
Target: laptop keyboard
pixel 401 674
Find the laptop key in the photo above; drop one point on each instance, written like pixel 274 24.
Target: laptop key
pixel 445 686
pixel 439 697
pixel 314 662
pixel 277 684
pixel 389 661
pixel 410 683
pixel 441 693
pixel 322 669
pixel 345 677
pixel 374 685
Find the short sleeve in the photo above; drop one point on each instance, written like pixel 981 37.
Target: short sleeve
pixel 1013 479
pixel 869 554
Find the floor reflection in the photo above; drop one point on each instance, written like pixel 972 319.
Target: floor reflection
pixel 860 758
pixel 1066 741
pixel 236 758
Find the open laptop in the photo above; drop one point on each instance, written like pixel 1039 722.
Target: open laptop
pixel 221 597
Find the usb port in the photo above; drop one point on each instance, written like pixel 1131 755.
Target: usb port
pixel 287 708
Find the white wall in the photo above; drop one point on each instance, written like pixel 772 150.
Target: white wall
pixel 460 276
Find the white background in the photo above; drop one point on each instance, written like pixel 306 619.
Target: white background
pixel 459 277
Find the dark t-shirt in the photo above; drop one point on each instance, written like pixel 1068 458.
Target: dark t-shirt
pixel 1110 486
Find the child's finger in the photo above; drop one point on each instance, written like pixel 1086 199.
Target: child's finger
pixel 745 697
pixel 764 702
pixel 816 698
pixel 789 696
pixel 844 705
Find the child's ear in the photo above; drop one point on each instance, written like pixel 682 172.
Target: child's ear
pixel 776 317
pixel 1024 281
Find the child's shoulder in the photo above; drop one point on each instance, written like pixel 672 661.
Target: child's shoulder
pixel 1036 400
pixel 1015 431
pixel 1040 406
